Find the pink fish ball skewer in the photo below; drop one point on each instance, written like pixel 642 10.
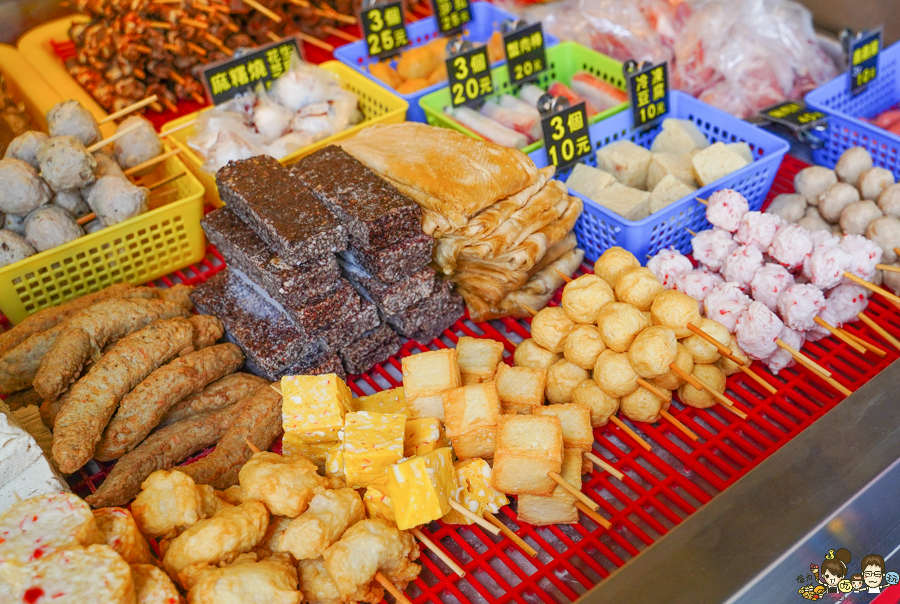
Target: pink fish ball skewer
pixel 726 303
pixel 712 247
pixel 758 229
pixel 790 246
pixel 769 283
pixel 781 358
pixel 668 266
pixel 742 265
pixel 725 208
pixel 799 305
pixel 698 284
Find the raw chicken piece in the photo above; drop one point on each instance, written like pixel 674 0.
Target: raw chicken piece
pixel 137 146
pixel 229 146
pixel 865 254
pixel 758 229
pixel 330 513
pixel 272 120
pixel 799 305
pixel 50 226
pixel 825 266
pixel 23 190
pixel 24 147
pixel 725 208
pixel 781 358
pixel 488 128
pixel 726 303
pixel 13 248
pixel 758 330
pixel 70 118
pixel 698 284
pixel 769 283
pixel 668 265
pixel 791 246
pixel 66 163
pixel 114 199
pixel 712 247
pixel 741 266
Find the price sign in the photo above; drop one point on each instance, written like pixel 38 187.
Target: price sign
pixel 649 89
pixel 227 79
pixel 384 29
pixel 526 55
pixel 863 52
pixel 469 76
pixel 451 14
pixel 792 114
pixel 566 136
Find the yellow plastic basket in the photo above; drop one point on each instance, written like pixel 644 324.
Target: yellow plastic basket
pixel 378 106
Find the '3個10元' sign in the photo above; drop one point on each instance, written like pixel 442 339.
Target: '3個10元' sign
pixel 227 79
pixel 566 136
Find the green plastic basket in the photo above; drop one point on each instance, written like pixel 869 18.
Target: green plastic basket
pixel 564 60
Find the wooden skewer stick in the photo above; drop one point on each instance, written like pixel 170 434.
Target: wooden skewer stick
pixel 152 162
pixel 678 425
pixel 179 127
pixel 391 589
pixel 86 218
pixel 724 400
pixel 653 389
pixel 339 33
pixel 197 49
pixel 897 250
pixel 264 10
pixel 156 106
pixel 511 535
pixel 593 515
pixel 703 201
pixel 723 350
pixel 687 377
pixel 879 330
pixel 129 109
pixel 195 23
pixel 444 556
pixel 840 335
pixel 573 491
pixel 693 234
pixel 170 105
pixel 627 429
pixel 301 3
pixel 174 76
pixel 873 287
pixel 273 36
pixel 563 276
pixel 831 381
pixel 888 267
pixel 476 519
pixel 251 446
pixel 806 360
pixel 604 465
pixel 114 137
pixel 315 41
pixel 219 44
pixel 276 386
pixel 173 48
pixel 145 50
pixel 333 14
pixel 166 180
pixel 161 25
pixel 865 344
pixel 756 378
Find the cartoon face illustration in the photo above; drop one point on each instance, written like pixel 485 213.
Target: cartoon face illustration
pixel 830 579
pixel 857 585
pixel 872 575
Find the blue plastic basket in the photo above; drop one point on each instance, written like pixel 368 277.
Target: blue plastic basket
pixel 486 19
pixel 599 229
pixel 846 129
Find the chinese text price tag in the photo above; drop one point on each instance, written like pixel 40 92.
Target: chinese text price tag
pixel 384 29
pixel 526 55
pixel 451 14
pixel 649 90
pixel 864 60
pixel 227 79
pixel 469 76
pixel 566 136
pixel 792 114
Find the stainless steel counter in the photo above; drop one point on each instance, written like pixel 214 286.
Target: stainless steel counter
pixel 837 484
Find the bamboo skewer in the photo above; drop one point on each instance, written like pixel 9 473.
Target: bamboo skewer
pixel 195 23
pixel 508 532
pixel 161 25
pixel 251 446
pixel 653 389
pixel 330 13
pixel 301 3
pixel 152 162
pixel 476 519
pixel 444 556
pixel 758 379
pixel 865 344
pixel 129 109
pixel 218 44
pixel 315 41
pixel 703 201
pixel 179 127
pixel 146 50
pixel 604 465
pixel 830 380
pixel 678 425
pixel 687 377
pixel 114 137
pixel 174 76
pixel 888 267
pixel 724 400
pixel 264 10
pixel 338 33
pixel 169 105
pixel 197 49
pixel 573 491
pixel 693 234
pixel 85 219
pixel 873 287
pixel 165 180
pixel 156 106
pixel 600 520
pixel 840 335
pixel 897 250
pixel 723 350
pixel 627 429
pixel 391 589
pixel 800 357
pixel 880 330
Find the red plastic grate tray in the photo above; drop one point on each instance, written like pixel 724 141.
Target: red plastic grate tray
pixel 661 487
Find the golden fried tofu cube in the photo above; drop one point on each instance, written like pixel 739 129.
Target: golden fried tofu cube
pixel 315 452
pixel 420 488
pixel 476 493
pixel 520 389
pixel 378 505
pixel 471 414
pixel 334 461
pixel 386 401
pixel 423 435
pixel 314 406
pixel 559 507
pixel 425 376
pixel 478 359
pixel 372 442
pixel 528 448
pixel 576 424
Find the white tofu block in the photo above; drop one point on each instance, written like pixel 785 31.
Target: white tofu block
pixel 715 162
pixel 588 181
pixel 677 164
pixel 679 136
pixel 37 479
pixel 627 202
pixel 626 161
pixel 742 149
pixel 669 190
pixel 18 449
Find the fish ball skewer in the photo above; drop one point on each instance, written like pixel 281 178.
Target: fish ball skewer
pixel 653 351
pixel 584 297
pixel 70 118
pixel 23 191
pixel 139 145
pixel 698 284
pixel 712 247
pixel 66 163
pixel 668 266
pixel 638 287
pixel 725 208
pixel 619 323
pixel 24 147
pixel 757 229
pixel 613 262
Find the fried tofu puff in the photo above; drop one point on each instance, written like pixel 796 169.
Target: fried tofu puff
pixel 248 581
pixel 153 586
pixel 168 503
pixel 367 547
pixel 121 533
pixel 318 588
pixel 271 541
pixel 328 516
pixel 232 531
pixel 285 484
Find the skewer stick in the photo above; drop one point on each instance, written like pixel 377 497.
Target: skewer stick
pixel 391 589
pixel 129 109
pixel 315 41
pixel 86 218
pixel 476 519
pixel 873 287
pixel 276 386
pixel 166 180
pixel 627 430
pixel 170 105
pixel 733 409
pixel 687 377
pixel 897 250
pixel 273 36
pixel 155 106
pixel 691 232
pixel 653 389
pixel 197 49
pixel 840 335
pixel 195 23
pixel 573 491
pixel 153 161
pixel 888 267
pixel 114 137
pixel 563 276
pixel 509 533
pixel 703 201
pixel 444 556
pixel 879 330
pixel 218 44
pixel 678 425
pixel 864 343
pixel 756 378
pixel 723 350
pixel 593 515
pixel 145 50
pixel 831 381
pixel 174 76
pixel 301 3
pixel 180 127
pixel 333 14
pixel 270 14
pixel 724 400
pixel 798 356
pixel 339 33
pixel 251 446
pixel 173 48
pixel 604 465
pixel 161 25
pixel 164 192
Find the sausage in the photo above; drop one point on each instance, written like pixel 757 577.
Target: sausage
pixel 221 393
